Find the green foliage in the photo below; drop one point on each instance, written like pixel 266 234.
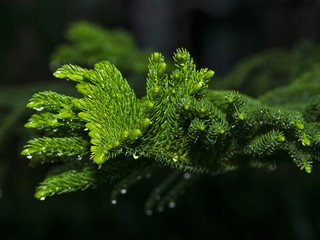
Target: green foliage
pixel 271 69
pixel 296 95
pixel 13 115
pixel 312 110
pixel 54 146
pixel 109 134
pixel 89 43
pixel 68 181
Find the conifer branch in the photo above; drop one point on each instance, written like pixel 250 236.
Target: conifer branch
pixel 65 182
pixel 180 124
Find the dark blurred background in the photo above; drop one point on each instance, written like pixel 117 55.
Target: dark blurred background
pixel 217 33
pixel 248 204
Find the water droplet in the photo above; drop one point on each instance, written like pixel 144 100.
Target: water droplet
pixel 149 212
pixel 135 156
pixel 139 177
pixel 187 176
pixel 148 175
pixel 172 204
pixel 160 209
pixel 113 201
pixel 123 191
pixel 38 109
pixel 157 197
pixel 273 167
pixel 29 156
pixel 42 198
